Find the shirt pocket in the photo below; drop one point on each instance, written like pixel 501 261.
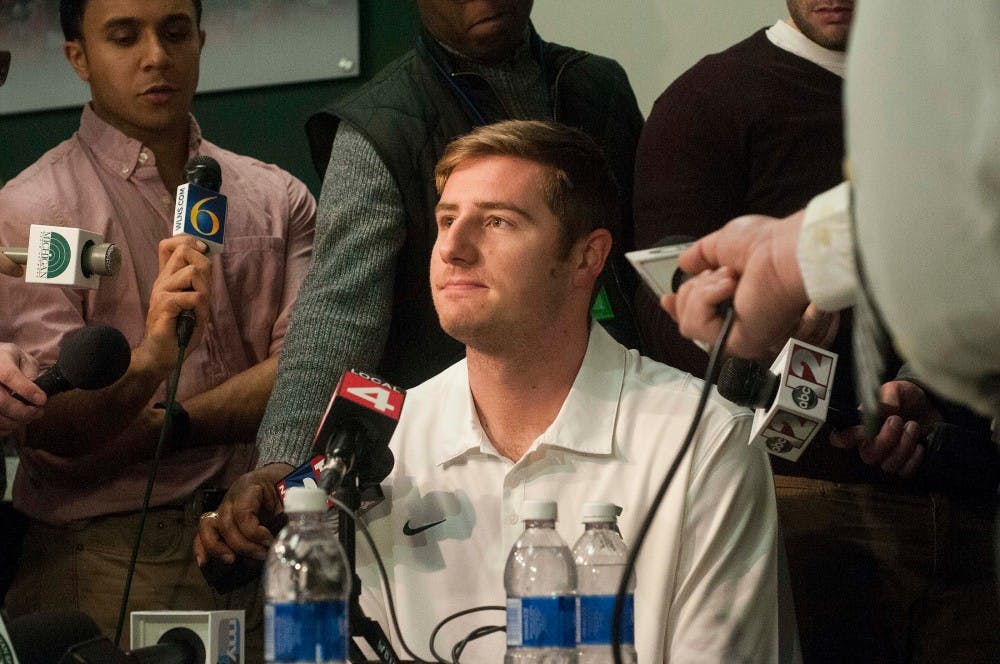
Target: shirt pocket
pixel 252 284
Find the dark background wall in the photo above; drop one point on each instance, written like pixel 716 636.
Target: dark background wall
pixel 266 123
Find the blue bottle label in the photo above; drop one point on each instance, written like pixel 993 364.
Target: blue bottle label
pixel 308 632
pixel 594 614
pixel 541 622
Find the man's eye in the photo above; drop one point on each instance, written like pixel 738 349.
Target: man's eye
pixel 497 222
pixel 122 38
pixel 178 35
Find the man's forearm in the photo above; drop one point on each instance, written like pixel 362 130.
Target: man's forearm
pixel 231 411
pixel 78 422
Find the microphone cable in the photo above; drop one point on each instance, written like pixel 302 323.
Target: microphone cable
pixel 165 431
pixel 477 633
pixel 616 616
pixel 383 575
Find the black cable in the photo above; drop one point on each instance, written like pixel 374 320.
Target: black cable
pixel 165 430
pixel 616 617
pixel 478 633
pixel 459 614
pixel 382 574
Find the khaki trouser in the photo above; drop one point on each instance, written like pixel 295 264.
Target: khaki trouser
pixel 83 567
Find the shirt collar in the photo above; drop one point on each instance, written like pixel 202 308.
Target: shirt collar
pixel 586 422
pixel 122 154
pixel 789 39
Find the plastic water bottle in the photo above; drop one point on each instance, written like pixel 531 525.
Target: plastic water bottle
pixel 601 556
pixel 306 586
pixel 540 580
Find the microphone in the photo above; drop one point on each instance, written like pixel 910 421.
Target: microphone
pixel 43 638
pixel 746 383
pixel 71 637
pixel 791 399
pixel 199 210
pixel 355 431
pixel 658 268
pixel 356 428
pixel 657 265
pixel 61 256
pixel 89 358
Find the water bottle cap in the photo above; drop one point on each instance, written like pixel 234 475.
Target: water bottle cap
pixel 305 499
pixel 597 512
pixel 539 510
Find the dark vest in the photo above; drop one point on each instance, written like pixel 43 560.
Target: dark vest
pixel 411 110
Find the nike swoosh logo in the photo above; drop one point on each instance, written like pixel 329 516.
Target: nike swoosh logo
pixel 410 532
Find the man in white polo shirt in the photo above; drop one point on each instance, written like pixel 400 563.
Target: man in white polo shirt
pixel 546 405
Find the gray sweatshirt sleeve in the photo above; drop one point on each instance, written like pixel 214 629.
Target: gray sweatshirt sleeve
pixel 341 318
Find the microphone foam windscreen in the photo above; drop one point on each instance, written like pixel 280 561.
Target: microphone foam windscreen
pixel 746 383
pixel 94 357
pixel 204 172
pixel 43 638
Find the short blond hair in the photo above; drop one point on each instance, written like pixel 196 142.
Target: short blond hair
pixel 577 182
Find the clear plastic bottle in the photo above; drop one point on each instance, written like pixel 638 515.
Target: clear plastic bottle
pixel 601 556
pixel 306 586
pixel 540 580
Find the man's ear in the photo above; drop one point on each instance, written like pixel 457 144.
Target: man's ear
pixel 590 255
pixel 77 56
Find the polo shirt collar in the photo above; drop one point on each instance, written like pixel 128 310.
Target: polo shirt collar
pixel 586 422
pixel 122 154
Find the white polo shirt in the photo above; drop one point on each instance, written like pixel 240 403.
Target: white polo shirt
pixel 706 579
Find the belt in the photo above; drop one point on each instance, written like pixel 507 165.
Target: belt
pixel 204 499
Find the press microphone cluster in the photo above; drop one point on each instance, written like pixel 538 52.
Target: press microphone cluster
pixel 61 256
pixel 353 435
pixel 791 399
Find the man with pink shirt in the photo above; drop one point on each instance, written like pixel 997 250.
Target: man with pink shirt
pixel 85 462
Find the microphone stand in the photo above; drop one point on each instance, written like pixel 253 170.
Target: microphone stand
pixel 360 625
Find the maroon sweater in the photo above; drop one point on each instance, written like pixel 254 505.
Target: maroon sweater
pixel 753 129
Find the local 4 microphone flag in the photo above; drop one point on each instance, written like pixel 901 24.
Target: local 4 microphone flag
pixel 805 374
pixel 200 212
pixel 359 400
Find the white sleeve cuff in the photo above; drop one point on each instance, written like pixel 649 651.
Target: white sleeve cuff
pixel 826 250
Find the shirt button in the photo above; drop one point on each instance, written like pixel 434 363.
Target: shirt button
pixel 125 170
pixel 143 157
pixel 512 519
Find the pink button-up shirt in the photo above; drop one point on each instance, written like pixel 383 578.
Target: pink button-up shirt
pixel 103 181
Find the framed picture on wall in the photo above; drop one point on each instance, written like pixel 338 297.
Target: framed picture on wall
pixel 249 43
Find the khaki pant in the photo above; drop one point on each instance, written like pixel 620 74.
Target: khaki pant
pixel 83 567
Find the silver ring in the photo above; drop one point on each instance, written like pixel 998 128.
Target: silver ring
pixel 209 515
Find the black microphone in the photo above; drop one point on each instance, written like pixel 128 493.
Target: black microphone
pixel 44 637
pixel 71 637
pixel 356 428
pixel 746 383
pixel 179 645
pixel 89 358
pixel 199 203
pixel 791 399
